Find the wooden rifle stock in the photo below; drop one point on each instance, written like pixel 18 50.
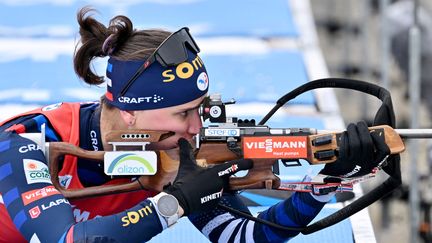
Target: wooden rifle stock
pixel 260 176
pixel 167 170
pixel 167 165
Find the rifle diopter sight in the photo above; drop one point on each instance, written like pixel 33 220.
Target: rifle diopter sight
pixel 213 108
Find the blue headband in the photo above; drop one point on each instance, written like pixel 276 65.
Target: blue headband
pixel 158 86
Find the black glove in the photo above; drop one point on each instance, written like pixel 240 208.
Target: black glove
pixel 199 189
pixel 360 151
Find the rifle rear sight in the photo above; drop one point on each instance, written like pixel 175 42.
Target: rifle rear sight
pixel 213 108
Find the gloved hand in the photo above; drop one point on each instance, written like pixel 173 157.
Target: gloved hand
pixel 359 152
pixel 199 189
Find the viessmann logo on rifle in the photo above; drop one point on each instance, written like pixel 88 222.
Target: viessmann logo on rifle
pixel 278 147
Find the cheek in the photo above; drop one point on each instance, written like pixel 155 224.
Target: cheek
pixel 178 127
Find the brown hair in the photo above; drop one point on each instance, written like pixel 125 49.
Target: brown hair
pixel 119 40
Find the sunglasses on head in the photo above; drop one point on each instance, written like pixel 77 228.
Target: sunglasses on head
pixel 172 51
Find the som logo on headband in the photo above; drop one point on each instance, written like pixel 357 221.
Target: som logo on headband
pixel 184 70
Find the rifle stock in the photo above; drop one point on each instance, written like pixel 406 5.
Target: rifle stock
pixel 167 170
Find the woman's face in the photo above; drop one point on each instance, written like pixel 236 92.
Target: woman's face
pixel 183 120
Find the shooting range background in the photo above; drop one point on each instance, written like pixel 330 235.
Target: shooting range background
pixel 353 38
pixel 254 56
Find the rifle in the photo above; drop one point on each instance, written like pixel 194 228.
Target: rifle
pixel 228 138
pixel 232 138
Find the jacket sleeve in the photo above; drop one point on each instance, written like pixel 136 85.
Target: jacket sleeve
pixel 220 226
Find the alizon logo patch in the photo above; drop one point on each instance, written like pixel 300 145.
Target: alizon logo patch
pixel 280 147
pixel 130 163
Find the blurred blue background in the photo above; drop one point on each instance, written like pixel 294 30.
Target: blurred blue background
pixel 254 51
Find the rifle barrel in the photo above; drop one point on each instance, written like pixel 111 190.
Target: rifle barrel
pixel 414 133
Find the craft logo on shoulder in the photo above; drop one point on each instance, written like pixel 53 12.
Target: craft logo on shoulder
pixel 52 107
pixel 281 147
pixel 202 81
pixel 36 171
pixel 94 141
pixel 34 195
pixel 28 148
pixel 128 163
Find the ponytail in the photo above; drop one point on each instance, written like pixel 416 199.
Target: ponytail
pixel 118 40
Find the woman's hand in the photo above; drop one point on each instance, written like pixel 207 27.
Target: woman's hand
pixel 360 151
pixel 199 189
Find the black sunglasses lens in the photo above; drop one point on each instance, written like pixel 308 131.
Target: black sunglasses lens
pixel 173 51
pixel 189 41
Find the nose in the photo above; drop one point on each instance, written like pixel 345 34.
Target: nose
pixel 195 123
